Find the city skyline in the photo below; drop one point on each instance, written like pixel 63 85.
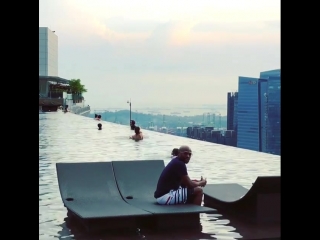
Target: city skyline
pixel 149 51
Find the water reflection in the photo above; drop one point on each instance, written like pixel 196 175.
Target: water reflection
pixel 73 138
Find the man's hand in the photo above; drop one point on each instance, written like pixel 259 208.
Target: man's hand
pixel 193 183
pixel 195 180
pixel 203 182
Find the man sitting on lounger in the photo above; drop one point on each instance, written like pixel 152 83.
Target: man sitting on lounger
pixel 175 186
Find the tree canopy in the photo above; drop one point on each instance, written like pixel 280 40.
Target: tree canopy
pixel 76 86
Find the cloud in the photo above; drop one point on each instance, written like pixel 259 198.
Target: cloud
pixel 81 24
pixel 161 35
pixel 127 25
pixel 212 26
pixel 162 52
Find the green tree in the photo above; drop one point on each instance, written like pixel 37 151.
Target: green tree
pixel 76 88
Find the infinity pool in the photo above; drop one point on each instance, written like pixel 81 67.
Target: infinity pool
pixel 73 138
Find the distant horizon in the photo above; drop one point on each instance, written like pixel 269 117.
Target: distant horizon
pixel 186 110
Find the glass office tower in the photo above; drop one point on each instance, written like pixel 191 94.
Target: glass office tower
pixel 248 132
pixel 273 124
pixel 263 113
pixel 273 73
pixel 231 111
pixel 235 114
pixel 258 112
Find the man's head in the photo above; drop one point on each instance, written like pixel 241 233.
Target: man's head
pixel 185 153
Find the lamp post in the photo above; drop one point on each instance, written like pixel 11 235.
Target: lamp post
pixel 130 110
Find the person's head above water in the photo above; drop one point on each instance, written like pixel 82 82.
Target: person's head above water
pixel 99 126
pixel 175 152
pixel 137 130
pixel 185 153
pixel 132 124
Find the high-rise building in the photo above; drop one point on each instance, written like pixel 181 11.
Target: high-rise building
pixel 48 52
pixel 235 114
pixel 263 114
pixel 232 104
pixel 273 108
pixel 258 112
pixel 49 98
pixel 248 132
pixel 53 90
pixel 269 73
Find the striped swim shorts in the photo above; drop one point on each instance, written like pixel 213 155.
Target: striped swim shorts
pixel 179 196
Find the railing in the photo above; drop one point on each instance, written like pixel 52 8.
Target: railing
pixel 79 110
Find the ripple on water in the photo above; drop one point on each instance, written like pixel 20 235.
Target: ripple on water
pixel 73 138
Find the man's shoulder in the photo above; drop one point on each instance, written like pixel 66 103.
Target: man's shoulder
pixel 176 162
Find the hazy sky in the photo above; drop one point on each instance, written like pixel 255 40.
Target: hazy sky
pixel 163 53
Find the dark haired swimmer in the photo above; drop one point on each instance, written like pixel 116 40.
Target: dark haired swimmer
pixel 97 117
pixel 99 126
pixel 132 124
pixel 138 134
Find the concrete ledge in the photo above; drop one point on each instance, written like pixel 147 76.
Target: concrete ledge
pixel 260 204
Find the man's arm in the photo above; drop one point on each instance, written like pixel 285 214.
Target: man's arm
pixel 192 184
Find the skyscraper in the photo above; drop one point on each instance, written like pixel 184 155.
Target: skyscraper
pixel 273 106
pixel 48 52
pixel 248 132
pixel 263 114
pixel 258 113
pixel 232 103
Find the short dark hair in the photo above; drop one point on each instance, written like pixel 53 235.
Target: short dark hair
pixel 132 124
pixel 137 130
